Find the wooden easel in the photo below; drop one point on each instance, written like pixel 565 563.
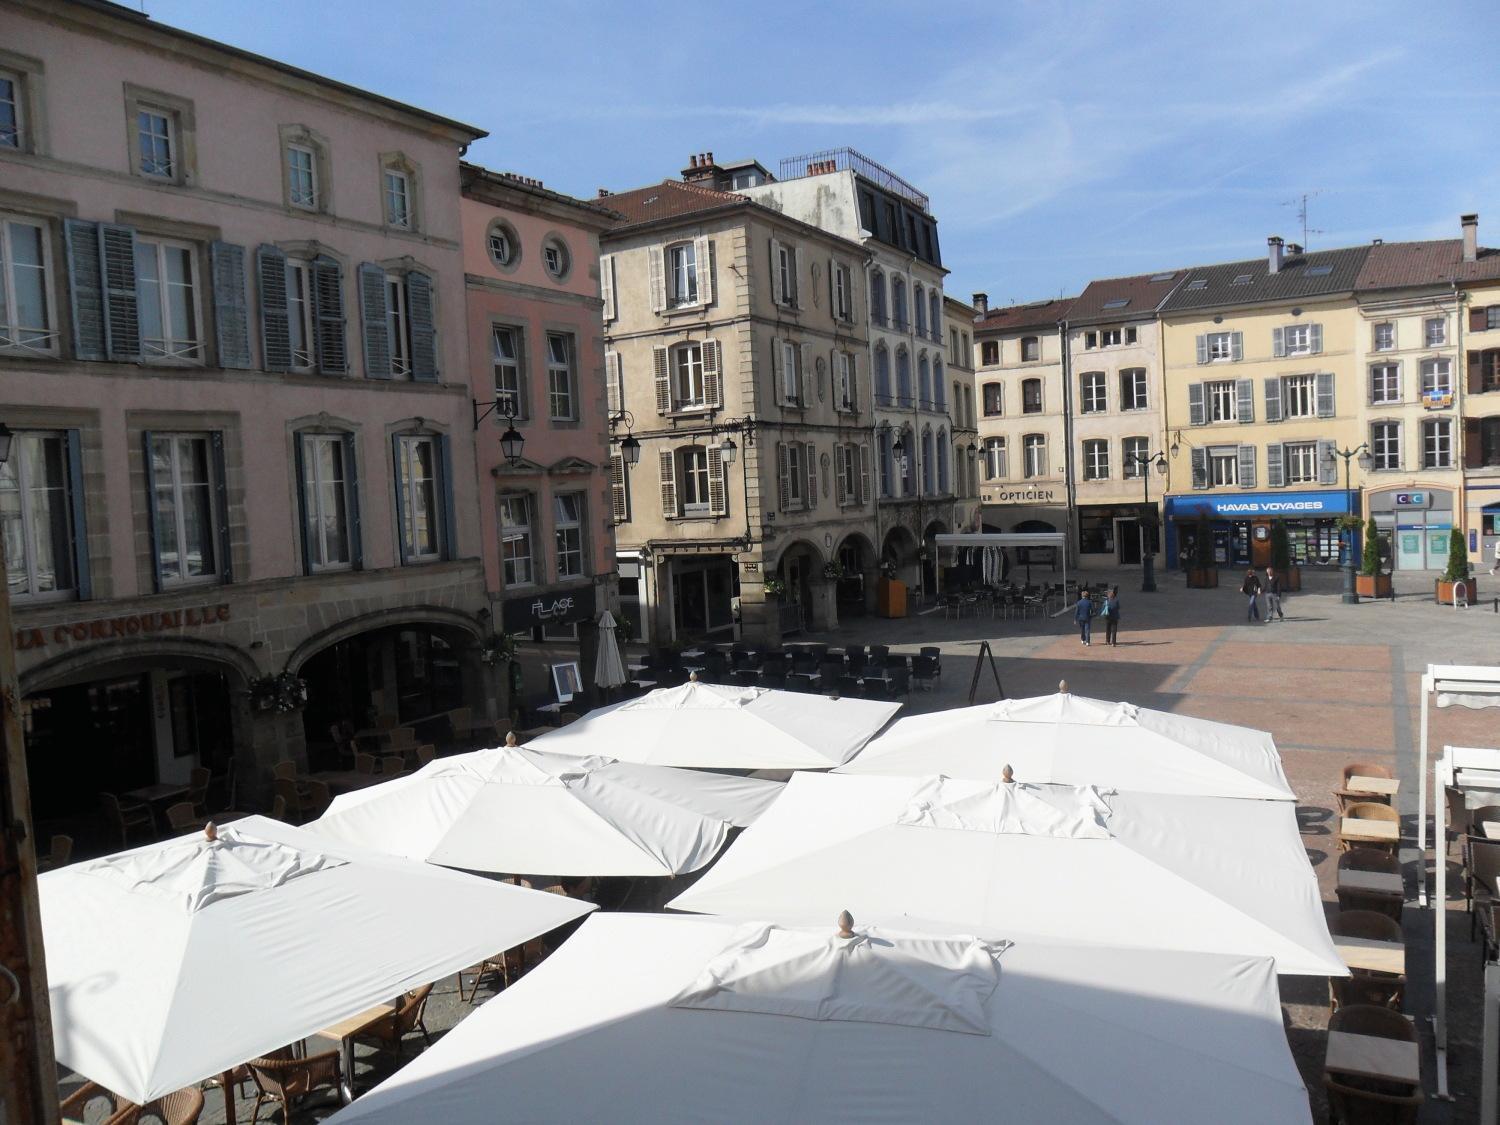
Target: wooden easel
pixel 984 650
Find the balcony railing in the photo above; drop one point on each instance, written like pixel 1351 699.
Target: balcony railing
pixel 850 160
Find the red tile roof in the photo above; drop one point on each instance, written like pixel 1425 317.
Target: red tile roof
pixel 1396 265
pixel 1035 314
pixel 668 199
pixel 1141 294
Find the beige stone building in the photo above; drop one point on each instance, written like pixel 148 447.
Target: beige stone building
pixel 736 344
pixel 963 418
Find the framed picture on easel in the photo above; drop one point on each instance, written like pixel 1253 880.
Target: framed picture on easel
pixel 565 680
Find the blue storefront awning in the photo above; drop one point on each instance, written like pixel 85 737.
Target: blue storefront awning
pixel 1252 505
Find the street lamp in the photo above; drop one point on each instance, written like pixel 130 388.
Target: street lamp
pixel 728 450
pixel 511 441
pixel 630 445
pixel 1361 451
pixel 1144 461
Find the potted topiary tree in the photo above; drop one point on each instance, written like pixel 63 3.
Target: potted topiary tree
pixel 1281 557
pixel 1202 573
pixel 1458 571
pixel 1370 582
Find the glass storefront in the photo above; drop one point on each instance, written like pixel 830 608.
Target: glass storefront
pixel 1414 526
pixel 1240 526
pixel 1112 533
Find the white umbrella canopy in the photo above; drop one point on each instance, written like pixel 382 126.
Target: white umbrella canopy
pixel 716 726
pixel 1133 869
pixel 517 809
pixel 176 961
pixel 759 1023
pixel 1074 740
pixel 609 669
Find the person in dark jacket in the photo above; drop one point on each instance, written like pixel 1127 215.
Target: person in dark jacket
pixel 1083 613
pixel 1111 613
pixel 1273 595
pixel 1251 589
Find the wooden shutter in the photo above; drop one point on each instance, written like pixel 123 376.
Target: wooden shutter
pixel 796 277
pixel 1273 399
pixel 713 373
pixel 614 387
pixel 783 476
pixel 1246 455
pixel 398 476
pixel 84 581
pixel 1275 465
pixel 1200 468
pixel 1476 367
pixel 656 268
pixel 1328 470
pixel 1202 347
pixel 1315 338
pixel 667 465
pixel 839 464
pixel 275 330
pixel 85 289
pixel 1473 451
pixel 801 396
pixel 328 313
pixel 718 499
pixel 833 295
pixel 373 308
pixel 1197 409
pixel 864 472
pixel 811 500
pixel 1244 406
pixel 619 489
pixel 1278 342
pixel 1478 320
pixel 231 304
pixel 304 540
pixel 221 505
pixel 1325 394
pixel 424 367
pixel 351 486
pixel 147 440
pixel 1236 346
pixel 703 253
pixel 122 324
pixel 853 366
pixel 444 451
pixel 663 376
pixel 607 285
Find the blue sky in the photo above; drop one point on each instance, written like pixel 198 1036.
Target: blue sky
pixel 1059 141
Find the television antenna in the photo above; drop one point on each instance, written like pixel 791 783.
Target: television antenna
pixel 1300 203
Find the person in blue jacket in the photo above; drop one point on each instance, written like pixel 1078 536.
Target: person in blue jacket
pixel 1083 613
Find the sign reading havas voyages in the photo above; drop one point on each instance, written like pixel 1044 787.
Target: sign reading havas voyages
pixel 559 605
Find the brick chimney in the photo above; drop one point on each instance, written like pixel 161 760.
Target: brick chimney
pixel 981 303
pixel 701 169
pixel 1273 253
pixel 1470 223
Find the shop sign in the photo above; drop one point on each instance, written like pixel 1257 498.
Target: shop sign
pixel 1292 504
pixel 548 607
pixel 111 628
pixel 1412 499
pixel 1033 494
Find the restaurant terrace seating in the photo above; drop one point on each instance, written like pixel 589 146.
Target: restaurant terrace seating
pixel 284 1078
pixel 1354 1100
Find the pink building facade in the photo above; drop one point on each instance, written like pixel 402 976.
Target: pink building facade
pixel 536 363
pixel 232 350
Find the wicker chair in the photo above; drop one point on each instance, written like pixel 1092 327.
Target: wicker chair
pixel 126 819
pixel 287 791
pixel 282 1078
pixel 401 739
pixel 318 798
pixel 181 1107
pixel 81 1105
pixel 1355 1101
pixel 364 763
pixel 1371 810
pixel 425 753
pixel 1364 986
pixel 182 817
pixel 1458 813
pixel 391 765
pixel 278 807
pixel 1369 859
pixel 61 851
pixel 1482 867
pixel 284 770
pixel 390 1033
pixel 198 780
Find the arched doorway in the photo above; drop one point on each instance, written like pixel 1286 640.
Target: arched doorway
pixel 855 590
pixel 898 555
pixel 800 570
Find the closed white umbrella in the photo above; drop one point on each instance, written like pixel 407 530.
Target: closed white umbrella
pixel 1155 871
pixel 609 670
pixel 716 726
pixel 1074 740
pixel 522 810
pixel 757 1023
pixel 177 961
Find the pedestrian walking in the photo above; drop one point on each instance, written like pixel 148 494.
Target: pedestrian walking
pixel 1273 595
pixel 1497 557
pixel 1083 613
pixel 1251 589
pixel 1111 613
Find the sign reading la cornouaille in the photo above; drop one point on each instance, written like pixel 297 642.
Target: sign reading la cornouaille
pixel 131 625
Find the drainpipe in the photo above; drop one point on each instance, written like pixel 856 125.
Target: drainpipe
pixel 1067 461
pixel 1460 388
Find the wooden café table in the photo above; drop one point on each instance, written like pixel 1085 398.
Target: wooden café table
pixel 1364 831
pixel 1372 955
pixel 1372 1056
pixel 1376 882
pixel 343 1033
pixel 1380 786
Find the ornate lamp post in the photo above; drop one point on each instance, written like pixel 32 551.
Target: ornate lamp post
pixel 1148 565
pixel 1361 451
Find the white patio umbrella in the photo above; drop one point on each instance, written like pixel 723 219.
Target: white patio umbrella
pixel 1074 740
pixel 756 1023
pixel 714 726
pixel 177 961
pixel 522 810
pixel 609 670
pixel 1147 870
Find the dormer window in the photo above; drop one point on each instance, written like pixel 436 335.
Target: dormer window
pixel 397 199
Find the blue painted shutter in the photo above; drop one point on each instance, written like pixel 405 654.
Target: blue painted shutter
pixel 373 309
pixel 1197 411
pixel 275 330
pixel 231 304
pixel 1275 466
pixel 85 288
pixel 351 485
pixel 396 476
pixel 304 536
pixel 122 322
pixel 84 580
pixel 221 505
pixel 445 481
pixel 423 333
pixel 1273 399
pixel 156 583
pixel 328 313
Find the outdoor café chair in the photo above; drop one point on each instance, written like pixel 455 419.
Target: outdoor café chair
pixel 805 663
pixel 745 677
pixel 317 799
pixel 60 852
pixel 854 658
pixel 181 1107
pixel 198 779
pixel 1369 859
pixel 364 763
pixel 879 654
pixel 1364 986
pixel 1353 1100
pixel 285 770
pixel 937 657
pixel 851 685
pixel 899 679
pixel 1370 810
pixel 1349 796
pixel 280 1077
pixel 774 680
pixel 83 1105
pixel 1482 867
pixel 392 764
pixel 127 818
pixel 278 807
pixel 1458 813
pixel 286 792
pixel 801 681
pixel 390 1032
pixel 425 753
pixel 923 671
pixel 182 817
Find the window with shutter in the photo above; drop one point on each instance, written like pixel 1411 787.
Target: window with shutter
pixel 811 499
pixel 662 372
pixel 619 489
pixel 713 373
pixel 1278 343
pixel 791 373
pixel 1236 346
pixel 864 473
pixel 328 301
pixel 275 323
pixel 1275 465
pixel 85 288
pixel 375 314
pixel 776 264
pixel 783 476
pixel 122 324
pixel 840 468
pixel 667 465
pixel 1315 341
pixel 656 267
pixel 705 253
pixel 231 305
pixel 1327 470
pixel 1200 468
pixel 607 285
pixel 614 384
pixel 1325 394
pixel 1203 347
pixel 1197 409
pixel 718 495
pixel 1478 321
pixel 419 301
pixel 1244 391
pixel 1273 399
pixel 1247 466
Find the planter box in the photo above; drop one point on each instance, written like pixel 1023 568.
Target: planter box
pixel 1205 579
pixel 1372 585
pixel 1444 591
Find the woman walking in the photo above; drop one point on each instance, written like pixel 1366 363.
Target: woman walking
pixel 1251 589
pixel 1083 613
pixel 1111 613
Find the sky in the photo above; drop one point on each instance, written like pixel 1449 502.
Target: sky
pixel 1058 141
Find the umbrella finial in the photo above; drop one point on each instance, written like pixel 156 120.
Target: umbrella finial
pixel 846 925
pixel 510 738
pixel 1062 686
pixel 1007 775
pixel 211 832
pixel 692 677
